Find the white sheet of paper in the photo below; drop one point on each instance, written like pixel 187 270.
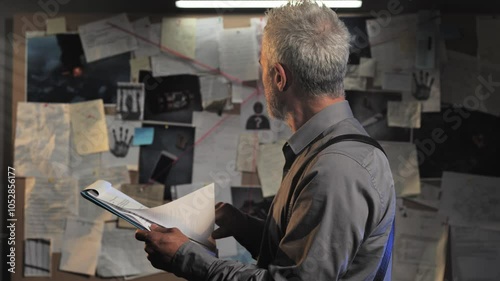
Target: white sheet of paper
pixel 37 258
pixel 430 195
pixel 179 35
pixel 149 195
pixel 487 45
pixel 81 246
pixel 397 81
pixel 88 125
pixel 152 32
pixel 393 44
pixel 48 202
pixel 471 200
pixel 56 25
pixel 138 64
pixel 227 247
pixel 101 40
pixel 248 150
pixel 215 155
pixel 213 88
pixel 42 140
pixel 193 214
pixel 367 67
pixel 207 40
pixel 270 167
pixel 475 254
pixel 121 254
pixel 116 176
pixel 238 92
pixel 404 114
pixel 167 64
pixel 419 246
pixel 355 83
pixel 404 167
pixel 238 53
pixel 426 89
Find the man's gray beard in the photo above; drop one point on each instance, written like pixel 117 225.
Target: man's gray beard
pixel 275 109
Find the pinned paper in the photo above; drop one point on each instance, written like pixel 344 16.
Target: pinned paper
pixel 179 34
pixel 404 114
pixel 143 136
pixel 56 25
pixel 238 53
pixel 367 67
pixel 137 65
pixel 88 125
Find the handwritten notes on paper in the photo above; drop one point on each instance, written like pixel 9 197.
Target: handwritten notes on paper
pixel 42 140
pixel 238 53
pixel 88 125
pixel 248 149
pixel 108 37
pixel 179 35
pixel 471 200
pixel 48 202
pixel 270 167
pixel 207 40
pixel 81 246
pixel 403 114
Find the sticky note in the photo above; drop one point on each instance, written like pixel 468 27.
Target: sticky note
pixel 143 136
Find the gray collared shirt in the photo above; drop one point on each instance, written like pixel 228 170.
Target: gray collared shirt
pixel 339 222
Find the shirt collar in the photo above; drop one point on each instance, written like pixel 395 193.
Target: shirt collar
pixel 321 121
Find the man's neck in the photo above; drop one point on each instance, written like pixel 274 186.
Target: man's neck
pixel 300 111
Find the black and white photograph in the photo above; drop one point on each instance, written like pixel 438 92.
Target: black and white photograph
pixel 169 159
pixel 57 71
pixel 130 101
pixel 171 98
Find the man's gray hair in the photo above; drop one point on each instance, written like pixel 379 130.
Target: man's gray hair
pixel 312 42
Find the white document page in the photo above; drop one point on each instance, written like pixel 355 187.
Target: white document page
pixel 270 167
pixel 216 148
pixel 471 200
pixel 475 254
pixel 213 88
pixel 404 167
pixel 81 246
pixel 238 53
pixel 207 40
pixel 152 32
pixel 117 176
pixel 248 150
pixel 419 246
pixel 168 64
pixel 403 114
pixel 37 258
pixel 122 255
pixel 48 202
pixel 179 35
pixel 101 39
pixel 88 126
pixel 41 146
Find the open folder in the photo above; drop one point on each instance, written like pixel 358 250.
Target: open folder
pixel 193 214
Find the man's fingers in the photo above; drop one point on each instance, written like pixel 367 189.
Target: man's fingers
pixel 220 233
pixel 142 235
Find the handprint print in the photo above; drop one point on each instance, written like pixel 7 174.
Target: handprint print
pixel 423 86
pixel 121 145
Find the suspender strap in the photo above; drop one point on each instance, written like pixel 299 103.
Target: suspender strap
pixel 384 264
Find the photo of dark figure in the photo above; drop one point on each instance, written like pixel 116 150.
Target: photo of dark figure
pixel 258 121
pixel 171 98
pixel 371 111
pixel 57 71
pixel 156 162
pixel 458 140
pixel 249 200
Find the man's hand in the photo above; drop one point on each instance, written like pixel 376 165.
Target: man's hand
pixel 161 244
pixel 230 220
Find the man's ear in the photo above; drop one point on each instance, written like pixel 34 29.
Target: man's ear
pixel 281 77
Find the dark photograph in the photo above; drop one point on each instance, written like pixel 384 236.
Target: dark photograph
pixel 57 71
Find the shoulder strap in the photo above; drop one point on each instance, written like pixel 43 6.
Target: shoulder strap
pixel 384 264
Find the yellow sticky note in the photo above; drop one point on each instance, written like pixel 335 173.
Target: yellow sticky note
pixel 56 25
pixel 179 35
pixel 137 65
pixel 88 125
